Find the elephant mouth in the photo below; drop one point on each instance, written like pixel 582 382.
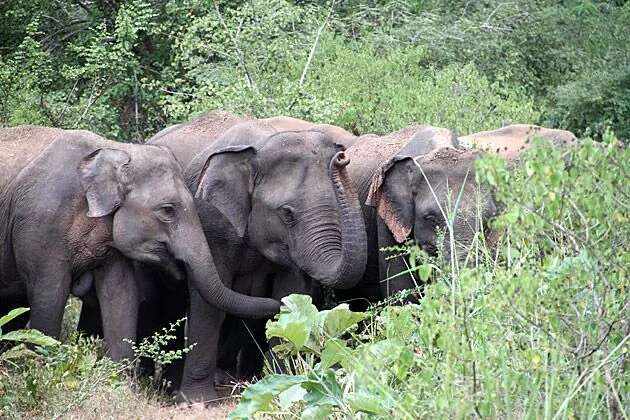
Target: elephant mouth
pixel 159 256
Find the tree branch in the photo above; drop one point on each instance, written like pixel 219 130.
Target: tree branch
pixel 316 42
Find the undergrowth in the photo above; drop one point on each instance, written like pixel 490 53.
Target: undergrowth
pixel 534 327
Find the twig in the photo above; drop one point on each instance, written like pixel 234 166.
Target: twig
pixel 316 42
pixel 241 57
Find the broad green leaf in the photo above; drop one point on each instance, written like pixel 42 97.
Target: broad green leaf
pixel 30 337
pixel 12 314
pixel 290 396
pixel 295 322
pixel 17 352
pixel 258 397
pixel 334 352
pixel 322 388
pixel 339 319
pixel 291 327
pixel 317 412
pixel 300 304
pixel 367 403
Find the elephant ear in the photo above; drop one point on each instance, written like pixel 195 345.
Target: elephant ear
pixel 392 195
pixel 102 176
pixel 226 182
pixel 391 188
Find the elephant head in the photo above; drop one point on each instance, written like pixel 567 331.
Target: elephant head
pixel 416 191
pixel 154 220
pixel 291 197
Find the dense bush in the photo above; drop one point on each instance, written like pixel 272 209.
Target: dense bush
pixel 128 68
pixel 536 328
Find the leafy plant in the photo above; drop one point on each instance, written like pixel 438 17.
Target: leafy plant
pixel 539 330
pixel 29 336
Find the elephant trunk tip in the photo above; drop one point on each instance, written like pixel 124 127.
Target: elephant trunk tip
pixel 340 160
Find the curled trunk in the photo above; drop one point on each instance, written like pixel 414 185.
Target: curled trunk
pixel 348 268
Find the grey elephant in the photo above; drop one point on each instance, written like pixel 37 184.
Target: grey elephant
pixel 408 181
pixel 279 213
pixel 75 205
pixel 510 141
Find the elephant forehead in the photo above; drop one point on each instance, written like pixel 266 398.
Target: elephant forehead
pixel 297 150
pixel 153 161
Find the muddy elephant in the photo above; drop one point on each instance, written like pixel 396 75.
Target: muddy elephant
pixel 509 141
pixel 73 204
pixel 278 211
pixel 408 181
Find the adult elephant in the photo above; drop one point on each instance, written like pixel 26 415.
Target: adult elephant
pixel 409 181
pixel 73 204
pixel 278 210
pixel 508 142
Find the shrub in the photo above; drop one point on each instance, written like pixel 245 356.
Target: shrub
pixel 536 330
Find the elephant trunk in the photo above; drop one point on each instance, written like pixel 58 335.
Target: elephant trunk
pixel 347 270
pixel 202 275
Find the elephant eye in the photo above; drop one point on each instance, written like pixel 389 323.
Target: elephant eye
pixel 431 218
pixel 166 212
pixel 287 214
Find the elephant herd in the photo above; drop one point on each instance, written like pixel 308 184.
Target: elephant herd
pixel 219 218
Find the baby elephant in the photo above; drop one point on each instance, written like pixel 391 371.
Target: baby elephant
pixel 73 204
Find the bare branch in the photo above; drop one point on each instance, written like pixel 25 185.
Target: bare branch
pixel 240 55
pixel 316 42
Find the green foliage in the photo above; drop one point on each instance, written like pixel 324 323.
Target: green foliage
pixel 55 378
pixel 156 349
pixel 126 69
pixel 30 336
pixel 534 326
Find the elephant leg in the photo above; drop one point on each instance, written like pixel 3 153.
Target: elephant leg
pixel 90 319
pixel 251 357
pixel 204 328
pixel 48 293
pixel 117 295
pixel 391 269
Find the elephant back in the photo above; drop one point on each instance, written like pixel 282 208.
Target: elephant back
pixel 340 135
pixel 19 146
pixel 188 139
pixel 371 151
pixel 508 142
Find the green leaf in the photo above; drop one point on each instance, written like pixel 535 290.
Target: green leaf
pixel 258 397
pixel 291 327
pixel 323 388
pixel 17 352
pixel 367 403
pixel 12 315
pixel 317 412
pixel 30 337
pixel 424 271
pixel 334 352
pixel 339 319
pixel 290 396
pixel 295 322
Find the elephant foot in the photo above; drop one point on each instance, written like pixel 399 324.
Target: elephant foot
pixel 196 397
pixel 223 377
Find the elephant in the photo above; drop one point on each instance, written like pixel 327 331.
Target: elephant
pixel 279 214
pixel 77 209
pixel 509 141
pixel 405 181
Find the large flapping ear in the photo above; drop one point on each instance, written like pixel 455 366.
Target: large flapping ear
pixel 391 189
pixel 391 194
pixel 226 181
pixel 102 176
